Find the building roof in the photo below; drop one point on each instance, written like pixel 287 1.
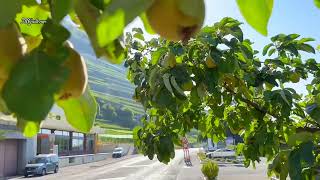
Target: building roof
pixel 63 125
pixel 46 155
pixel 55 121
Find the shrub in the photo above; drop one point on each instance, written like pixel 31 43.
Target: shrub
pixel 210 170
pixel 202 156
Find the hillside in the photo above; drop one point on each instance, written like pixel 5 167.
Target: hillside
pixel 108 83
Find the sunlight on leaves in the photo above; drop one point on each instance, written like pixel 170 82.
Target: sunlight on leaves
pixel 257 13
pixel 80 112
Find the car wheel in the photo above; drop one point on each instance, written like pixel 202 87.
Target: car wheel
pixel 43 172
pixel 56 169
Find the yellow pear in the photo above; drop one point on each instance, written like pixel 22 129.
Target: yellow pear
pixel 229 82
pixel 169 60
pixel 77 81
pixel 294 77
pixel 187 86
pixel 210 62
pixel 11 50
pixel 171 21
pixel 32 42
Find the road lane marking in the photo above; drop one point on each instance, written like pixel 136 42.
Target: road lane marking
pixel 130 166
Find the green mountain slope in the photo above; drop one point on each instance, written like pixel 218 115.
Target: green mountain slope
pixel 108 83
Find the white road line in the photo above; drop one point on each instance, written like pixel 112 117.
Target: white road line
pixel 118 178
pixel 129 166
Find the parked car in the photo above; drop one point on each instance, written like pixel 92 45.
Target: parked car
pixel 42 164
pixel 117 152
pixel 221 153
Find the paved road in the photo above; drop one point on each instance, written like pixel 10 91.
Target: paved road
pixel 132 168
pixel 239 172
pixel 141 168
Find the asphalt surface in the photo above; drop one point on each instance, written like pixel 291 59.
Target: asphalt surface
pixel 137 167
pixel 239 172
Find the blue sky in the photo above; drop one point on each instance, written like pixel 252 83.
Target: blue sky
pixel 289 16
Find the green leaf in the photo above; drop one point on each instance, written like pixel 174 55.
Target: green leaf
pixel 164 98
pixel 139 36
pixel 303 40
pixel 306 153
pixel 317 3
pixel 105 34
pixel 36 13
pixel 156 55
pixel 176 86
pixel 117 15
pixel 271 52
pixel 257 13
pixel 59 9
pixel 295 165
pixel 306 48
pixel 137 30
pixel 166 81
pixel 114 52
pixel 29 128
pixel 80 112
pixel 50 31
pixel 297 138
pixel 283 95
pixel 314 111
pixel 100 4
pixel 33 82
pixel 291 37
pixel 8 11
pixel 146 23
pixel 266 48
pixel 29 2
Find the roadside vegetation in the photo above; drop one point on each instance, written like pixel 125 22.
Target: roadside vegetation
pixel 210 170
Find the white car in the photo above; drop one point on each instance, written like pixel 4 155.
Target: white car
pixel 221 153
pixel 118 152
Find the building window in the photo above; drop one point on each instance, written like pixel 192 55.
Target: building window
pixel 43 141
pixel 77 143
pixel 90 144
pixel 45 131
pixel 62 140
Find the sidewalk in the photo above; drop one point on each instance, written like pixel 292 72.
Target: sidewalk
pixel 191 172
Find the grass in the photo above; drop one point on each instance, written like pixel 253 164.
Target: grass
pixel 118 132
pixel 130 104
pixel 102 124
pixel 115 140
pixel 112 129
pixel 109 83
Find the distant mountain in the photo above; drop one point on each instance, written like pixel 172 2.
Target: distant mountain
pixel 108 82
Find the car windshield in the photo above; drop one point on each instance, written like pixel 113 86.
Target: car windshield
pixel 117 150
pixel 38 160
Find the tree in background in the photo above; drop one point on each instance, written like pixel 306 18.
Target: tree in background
pixel 116 114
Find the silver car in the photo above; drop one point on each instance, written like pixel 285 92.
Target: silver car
pixel 221 153
pixel 118 152
pixel 42 164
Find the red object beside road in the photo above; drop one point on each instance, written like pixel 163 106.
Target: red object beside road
pixel 185 145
